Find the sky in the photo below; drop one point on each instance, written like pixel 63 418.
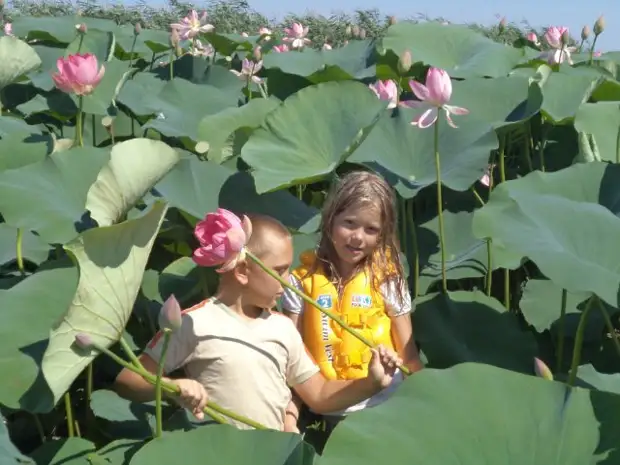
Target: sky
pixel 539 13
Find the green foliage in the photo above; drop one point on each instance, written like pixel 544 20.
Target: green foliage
pixel 96 236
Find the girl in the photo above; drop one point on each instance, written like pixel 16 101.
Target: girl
pixel 356 272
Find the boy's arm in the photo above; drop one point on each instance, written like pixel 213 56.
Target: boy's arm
pixel 325 396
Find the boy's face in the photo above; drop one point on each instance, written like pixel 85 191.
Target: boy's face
pixel 262 290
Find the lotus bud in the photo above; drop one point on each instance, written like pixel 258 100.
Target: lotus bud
pixel 565 38
pixel 392 20
pixel 362 34
pixel 585 32
pixel 355 31
pixel 170 315
pixel 502 25
pixel 599 26
pixel 347 31
pixel 404 62
pixel 174 38
pixel 137 29
pixel 83 341
pixel 542 370
pixel 258 54
pixel 81 28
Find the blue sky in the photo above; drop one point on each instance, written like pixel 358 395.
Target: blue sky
pixel 536 12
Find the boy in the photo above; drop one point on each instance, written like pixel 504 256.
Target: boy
pixel 245 357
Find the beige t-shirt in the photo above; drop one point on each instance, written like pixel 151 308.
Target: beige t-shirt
pixel 246 366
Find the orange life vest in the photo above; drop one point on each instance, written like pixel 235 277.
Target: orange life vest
pixel 338 354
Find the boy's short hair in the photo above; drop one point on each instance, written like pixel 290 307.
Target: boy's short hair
pixel 265 227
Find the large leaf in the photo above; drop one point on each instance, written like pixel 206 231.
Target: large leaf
pixel 135 167
pixel 9 454
pixel 66 451
pixel 474 414
pixel 49 197
pixel 29 310
pixel 227 445
pixel 471 327
pixel 408 153
pixel 111 260
pixel 17 58
pixel 310 133
pixel 200 187
pixel 458 49
pixel 535 217
pixel 602 120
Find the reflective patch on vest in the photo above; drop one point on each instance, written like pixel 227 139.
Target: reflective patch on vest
pixel 329 350
pixel 361 301
pixel 324 300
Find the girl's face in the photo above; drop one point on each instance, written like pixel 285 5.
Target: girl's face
pixel 355 234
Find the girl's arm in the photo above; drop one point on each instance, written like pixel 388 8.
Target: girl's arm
pixel 402 329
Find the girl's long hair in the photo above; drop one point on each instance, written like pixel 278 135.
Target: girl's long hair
pixel 359 189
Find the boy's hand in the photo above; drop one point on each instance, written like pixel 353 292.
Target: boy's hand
pixel 193 396
pixel 290 424
pixel 383 365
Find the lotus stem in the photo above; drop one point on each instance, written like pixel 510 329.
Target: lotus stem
pixel 502 175
pixel 174 389
pixel 416 266
pixel 19 252
pixel 79 125
pixel 89 382
pixel 592 49
pixel 315 304
pixel 489 242
pixel 572 375
pixel 560 352
pixel 442 244
pixel 160 373
pixel 610 326
pixel 69 412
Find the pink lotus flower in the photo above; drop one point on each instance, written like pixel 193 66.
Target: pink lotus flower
pixel 326 46
pixel 222 236
pixel 8 29
pixel 264 30
pixel 386 90
pixel 280 48
pixel 296 34
pixel 249 70
pixel 78 74
pixel 559 52
pixel 532 37
pixel 434 95
pixel 190 26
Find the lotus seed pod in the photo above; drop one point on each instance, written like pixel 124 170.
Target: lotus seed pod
pixel 137 29
pixel 565 38
pixel 599 25
pixel 362 34
pixel 585 32
pixel 542 370
pixel 83 341
pixel 392 20
pixel 404 62
pixel 170 315
pixel 355 31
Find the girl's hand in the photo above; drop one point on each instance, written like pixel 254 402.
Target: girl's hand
pixel 383 365
pixel 290 424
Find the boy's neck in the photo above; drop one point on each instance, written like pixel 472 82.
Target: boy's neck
pixel 233 299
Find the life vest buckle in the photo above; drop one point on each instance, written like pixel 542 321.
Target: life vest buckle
pixel 354 359
pixel 356 318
